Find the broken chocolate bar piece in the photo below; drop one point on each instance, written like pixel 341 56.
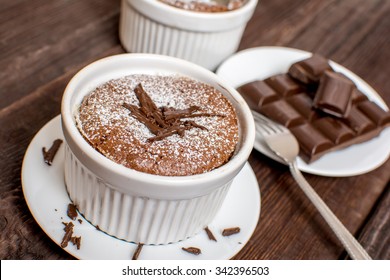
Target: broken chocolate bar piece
pixel 284 85
pixel 257 94
pixel 334 94
pixel 309 71
pixel 283 113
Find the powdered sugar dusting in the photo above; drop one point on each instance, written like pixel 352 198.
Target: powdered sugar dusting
pixel 113 131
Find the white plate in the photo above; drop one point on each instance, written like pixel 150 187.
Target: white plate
pixel 46 196
pixel 260 63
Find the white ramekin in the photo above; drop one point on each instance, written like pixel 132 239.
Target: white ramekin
pixel 149 26
pixel 133 205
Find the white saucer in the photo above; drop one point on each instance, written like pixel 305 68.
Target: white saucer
pixel 46 196
pixel 262 62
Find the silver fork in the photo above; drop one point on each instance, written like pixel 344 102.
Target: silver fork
pixel 284 145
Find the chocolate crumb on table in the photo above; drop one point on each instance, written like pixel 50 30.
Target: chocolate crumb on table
pixel 210 234
pixel 49 155
pixel 230 231
pixel 137 251
pixel 80 221
pixel 72 211
pixel 192 250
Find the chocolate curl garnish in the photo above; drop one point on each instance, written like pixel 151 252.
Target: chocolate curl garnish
pixel 148 107
pixel 168 132
pixel 192 250
pixel 144 99
pixel 137 251
pixel 194 124
pixel 136 112
pixel 172 113
pixel 49 155
pixel 163 122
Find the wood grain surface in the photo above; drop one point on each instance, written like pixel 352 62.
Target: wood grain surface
pixel 44 43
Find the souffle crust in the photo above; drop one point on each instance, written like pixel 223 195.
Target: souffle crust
pixel 164 125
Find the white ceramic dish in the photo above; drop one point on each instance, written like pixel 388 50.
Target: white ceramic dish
pixel 149 26
pixel 134 205
pixel 262 62
pixel 47 199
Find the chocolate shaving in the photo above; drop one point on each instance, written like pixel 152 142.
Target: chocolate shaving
pixel 230 231
pixel 165 121
pixel 210 234
pixel 49 155
pixel 76 240
pixel 68 234
pixel 72 211
pixel 141 117
pixel 192 250
pixel 137 251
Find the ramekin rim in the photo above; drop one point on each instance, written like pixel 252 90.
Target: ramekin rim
pixel 168 14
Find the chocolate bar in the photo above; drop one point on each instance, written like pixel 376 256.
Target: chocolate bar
pixel 317 131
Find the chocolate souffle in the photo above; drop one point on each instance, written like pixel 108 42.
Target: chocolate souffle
pixel 163 125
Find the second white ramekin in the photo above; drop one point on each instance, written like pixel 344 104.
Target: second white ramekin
pixel 133 205
pixel 149 26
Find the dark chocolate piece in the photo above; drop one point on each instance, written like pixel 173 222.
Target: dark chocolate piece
pixel 304 105
pixel 358 121
pixel 310 70
pixel 48 156
pixel 334 129
pixel 283 113
pixel 192 250
pixel 283 84
pixel 374 112
pixel 68 234
pixel 76 240
pixel 72 211
pixel 358 96
pixel 210 234
pixel 334 94
pixel 257 93
pixel 230 231
pixel 137 251
pixel 310 139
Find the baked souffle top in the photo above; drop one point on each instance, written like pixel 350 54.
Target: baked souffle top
pixel 164 125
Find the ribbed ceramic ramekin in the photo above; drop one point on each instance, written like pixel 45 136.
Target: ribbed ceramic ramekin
pixel 149 26
pixel 133 205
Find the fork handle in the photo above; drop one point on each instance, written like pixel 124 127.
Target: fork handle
pixel 353 247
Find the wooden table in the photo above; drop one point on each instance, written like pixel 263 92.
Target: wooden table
pixel 44 43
